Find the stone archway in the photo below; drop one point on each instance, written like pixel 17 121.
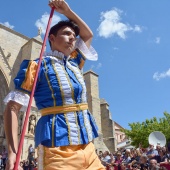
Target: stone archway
pixel 4 90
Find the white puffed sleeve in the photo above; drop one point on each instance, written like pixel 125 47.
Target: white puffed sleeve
pixel 88 53
pixel 18 97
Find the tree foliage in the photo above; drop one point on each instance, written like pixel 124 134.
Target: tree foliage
pixel 139 132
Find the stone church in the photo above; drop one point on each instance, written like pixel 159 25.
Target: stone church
pixel 14 47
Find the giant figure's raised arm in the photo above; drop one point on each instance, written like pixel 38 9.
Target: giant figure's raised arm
pixel 85 32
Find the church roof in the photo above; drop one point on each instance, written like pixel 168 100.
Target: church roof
pixel 38 38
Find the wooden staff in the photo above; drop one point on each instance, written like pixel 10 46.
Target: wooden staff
pixel 32 93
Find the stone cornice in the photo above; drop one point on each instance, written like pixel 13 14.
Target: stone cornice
pixel 13 32
pixel 92 72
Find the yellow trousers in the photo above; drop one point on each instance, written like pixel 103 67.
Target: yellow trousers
pixel 74 157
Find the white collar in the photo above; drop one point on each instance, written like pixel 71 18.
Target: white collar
pixel 57 54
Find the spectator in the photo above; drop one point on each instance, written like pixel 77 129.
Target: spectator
pixel 1 162
pixel 162 157
pixel 31 161
pixel 118 160
pixel 158 147
pixel 106 160
pixel 30 149
pixel 145 167
pixel 164 149
pixel 153 164
pixel 135 166
pixel 124 166
pixel 138 155
pixel 152 153
pixel 96 151
pixel 143 162
pixel 168 154
pixel 21 164
pixel 127 156
pixel 36 163
pixel 111 164
pixel 26 165
pixel 4 157
pixel 100 155
pixel 135 155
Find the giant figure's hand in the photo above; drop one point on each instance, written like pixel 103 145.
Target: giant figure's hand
pixel 60 6
pixel 11 162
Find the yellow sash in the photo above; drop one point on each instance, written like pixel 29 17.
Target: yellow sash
pixel 64 109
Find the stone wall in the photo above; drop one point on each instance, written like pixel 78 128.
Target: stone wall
pixel 14 47
pixel 91 80
pixel 10 52
pixel 107 125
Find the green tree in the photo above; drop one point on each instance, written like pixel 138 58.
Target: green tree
pixel 139 132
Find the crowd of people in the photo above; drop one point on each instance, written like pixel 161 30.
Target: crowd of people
pixel 31 162
pixel 123 159
pixel 137 159
pixel 28 164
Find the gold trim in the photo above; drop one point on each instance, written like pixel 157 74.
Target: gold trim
pixel 75 114
pixel 62 96
pixel 64 109
pixel 65 116
pixel 72 89
pixel 85 122
pixel 53 130
pixel 59 81
pixel 72 95
pixel 48 81
pixel 81 96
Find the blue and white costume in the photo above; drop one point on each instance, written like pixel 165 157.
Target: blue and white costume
pixel 60 83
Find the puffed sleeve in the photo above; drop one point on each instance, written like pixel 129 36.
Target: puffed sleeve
pixel 23 84
pixel 18 97
pixel 82 52
pixel 25 77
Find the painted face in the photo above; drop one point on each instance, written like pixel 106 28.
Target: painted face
pixel 64 41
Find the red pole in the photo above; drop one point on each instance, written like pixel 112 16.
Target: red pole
pixel 32 93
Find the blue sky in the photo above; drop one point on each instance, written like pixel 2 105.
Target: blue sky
pixel 132 39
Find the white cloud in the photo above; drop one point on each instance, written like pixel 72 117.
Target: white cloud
pixel 115 48
pixel 7 24
pixel 99 65
pixel 157 76
pixel 137 28
pixel 111 24
pixel 92 66
pixel 157 40
pixel 42 22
